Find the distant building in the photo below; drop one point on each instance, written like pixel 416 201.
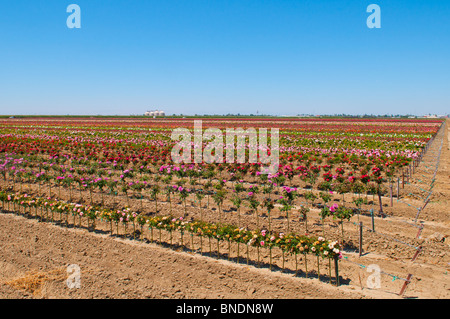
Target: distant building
pixel 155 113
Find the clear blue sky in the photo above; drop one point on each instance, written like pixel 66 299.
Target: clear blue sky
pixel 215 57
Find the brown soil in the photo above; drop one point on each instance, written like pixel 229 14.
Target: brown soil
pixel 120 267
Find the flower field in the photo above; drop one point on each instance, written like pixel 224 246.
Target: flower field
pixel 116 175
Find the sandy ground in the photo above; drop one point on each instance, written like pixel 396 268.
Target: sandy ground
pixel 34 252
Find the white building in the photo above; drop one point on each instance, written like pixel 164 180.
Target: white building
pixel 155 113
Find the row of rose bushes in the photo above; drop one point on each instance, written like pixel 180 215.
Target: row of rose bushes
pixel 218 190
pixel 295 124
pixel 347 165
pixel 49 142
pixel 310 139
pixel 101 178
pixel 325 175
pixel 299 163
pixel 290 243
pixel 157 147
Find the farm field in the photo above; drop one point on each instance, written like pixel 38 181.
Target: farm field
pixel 352 199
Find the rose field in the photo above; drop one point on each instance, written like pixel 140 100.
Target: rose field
pixel 358 208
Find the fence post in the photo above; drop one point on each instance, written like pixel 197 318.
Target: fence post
pixel 416 254
pixel 408 280
pixel 427 201
pixel 420 231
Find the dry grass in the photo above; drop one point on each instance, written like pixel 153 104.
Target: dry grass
pixel 34 280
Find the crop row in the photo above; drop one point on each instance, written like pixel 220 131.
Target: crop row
pixel 64 212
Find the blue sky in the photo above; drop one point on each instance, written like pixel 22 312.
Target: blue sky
pixel 216 57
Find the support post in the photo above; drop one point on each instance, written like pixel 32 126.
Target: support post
pixel 360 238
pixel 373 221
pixel 420 231
pixel 417 215
pixel 408 173
pixel 408 280
pixel 390 194
pixel 416 254
pixel 336 270
pixel 426 202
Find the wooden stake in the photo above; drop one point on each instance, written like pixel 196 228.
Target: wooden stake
pixel 408 280
pixel 420 231
pixel 360 238
pixel 416 254
pixel 336 270
pixel 318 268
pixel 373 220
pixel 403 179
pixel 417 215
pixel 390 194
